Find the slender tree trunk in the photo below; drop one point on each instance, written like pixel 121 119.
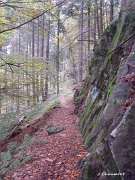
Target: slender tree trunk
pixel 38 25
pixel 101 17
pixel 111 10
pixel 47 59
pixel 57 53
pixel 33 54
pixel 106 14
pixel 88 59
pixel 27 86
pixel 95 22
pixel 37 75
pixel 98 21
pixel 42 55
pixel 18 76
pixel 81 42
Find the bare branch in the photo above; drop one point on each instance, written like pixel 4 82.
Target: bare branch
pixel 120 45
pixel 22 24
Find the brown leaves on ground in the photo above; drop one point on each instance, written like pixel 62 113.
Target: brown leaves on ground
pixel 57 159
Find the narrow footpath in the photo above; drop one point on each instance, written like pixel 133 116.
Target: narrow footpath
pixel 56 159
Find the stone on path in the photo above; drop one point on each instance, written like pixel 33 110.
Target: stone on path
pixel 52 130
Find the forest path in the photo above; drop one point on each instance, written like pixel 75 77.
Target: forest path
pixel 55 160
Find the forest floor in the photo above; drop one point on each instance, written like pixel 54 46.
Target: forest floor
pixel 57 158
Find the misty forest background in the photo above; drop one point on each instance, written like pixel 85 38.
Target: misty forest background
pixel 45 48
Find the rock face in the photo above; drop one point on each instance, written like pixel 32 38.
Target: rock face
pixel 107 96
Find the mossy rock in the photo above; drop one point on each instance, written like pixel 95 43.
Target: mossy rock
pixel 50 125
pixel 53 130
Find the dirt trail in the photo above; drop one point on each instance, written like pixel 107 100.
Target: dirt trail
pixel 57 159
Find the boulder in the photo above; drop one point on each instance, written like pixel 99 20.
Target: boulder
pixel 52 130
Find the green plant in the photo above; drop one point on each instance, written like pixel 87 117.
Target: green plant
pixel 27 139
pixel 27 158
pixel 5 156
pixel 15 163
pixel 12 146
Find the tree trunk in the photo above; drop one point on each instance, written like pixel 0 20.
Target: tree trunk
pixel 111 10
pixel 81 42
pixel 33 54
pixel 47 59
pixel 88 59
pixel 42 55
pixel 101 17
pixel 95 22
pixel 57 53
pixel 98 21
pixel 26 74
pixel 37 75
pixel 106 14
pixel 18 76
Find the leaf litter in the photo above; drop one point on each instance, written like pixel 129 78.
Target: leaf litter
pixel 56 159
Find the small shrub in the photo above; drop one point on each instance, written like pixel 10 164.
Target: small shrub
pixel 27 158
pixel 27 139
pixel 23 147
pixel 12 145
pixel 2 171
pixel 5 156
pixel 15 163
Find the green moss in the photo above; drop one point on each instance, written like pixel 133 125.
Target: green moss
pixel 122 35
pixel 133 24
pixel 127 18
pixel 133 16
pixel 114 41
pixel 89 172
pixel 112 28
pixel 112 167
pixel 103 46
pixel 84 114
pixel 106 31
pixel 94 62
pixel 87 140
pixel 89 113
pixel 110 88
pixel 96 141
pixel 106 156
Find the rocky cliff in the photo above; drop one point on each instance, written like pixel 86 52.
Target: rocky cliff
pixel 107 97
